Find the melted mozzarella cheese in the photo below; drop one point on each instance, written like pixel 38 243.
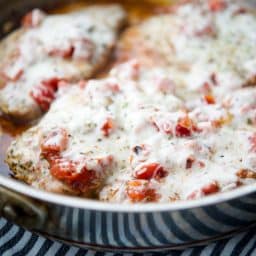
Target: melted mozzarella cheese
pixel 67 47
pixel 197 44
pixel 160 117
pixel 146 117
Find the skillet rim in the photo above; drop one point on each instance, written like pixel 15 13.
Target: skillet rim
pixel 88 204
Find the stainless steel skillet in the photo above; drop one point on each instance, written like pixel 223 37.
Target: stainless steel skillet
pixel 93 224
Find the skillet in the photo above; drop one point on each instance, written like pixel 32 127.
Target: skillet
pixel 113 227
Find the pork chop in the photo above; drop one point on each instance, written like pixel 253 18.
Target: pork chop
pixel 206 43
pixel 88 130
pixel 49 49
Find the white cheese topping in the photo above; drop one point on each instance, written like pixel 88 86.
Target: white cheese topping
pixel 196 152
pixel 160 134
pixel 68 47
pixel 200 45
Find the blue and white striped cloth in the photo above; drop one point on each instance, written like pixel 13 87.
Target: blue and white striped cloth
pixel 15 241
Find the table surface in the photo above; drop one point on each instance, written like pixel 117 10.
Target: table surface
pixel 19 242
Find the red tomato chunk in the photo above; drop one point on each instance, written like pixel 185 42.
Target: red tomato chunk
pixel 182 131
pixel 206 190
pixel 150 171
pixel 55 142
pixel 140 191
pixel 184 127
pixel 67 171
pixel 209 99
pixel 211 188
pixel 44 93
pixel 107 127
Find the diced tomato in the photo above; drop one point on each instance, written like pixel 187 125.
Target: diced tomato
pixel 76 174
pixel 246 174
pixel 43 96
pixel 182 131
pixel 184 127
pixel 67 171
pixel 206 190
pixel 150 171
pixel 52 82
pixel 209 99
pixel 33 19
pixel 44 93
pixel 107 127
pixel 55 142
pixel 210 188
pixel 186 122
pixel 217 5
pixel 139 191
pixel 64 169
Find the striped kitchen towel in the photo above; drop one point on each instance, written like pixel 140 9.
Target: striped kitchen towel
pixel 15 241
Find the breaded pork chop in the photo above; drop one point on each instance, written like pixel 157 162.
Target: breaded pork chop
pixel 128 138
pixel 89 130
pixel 207 43
pixel 49 49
